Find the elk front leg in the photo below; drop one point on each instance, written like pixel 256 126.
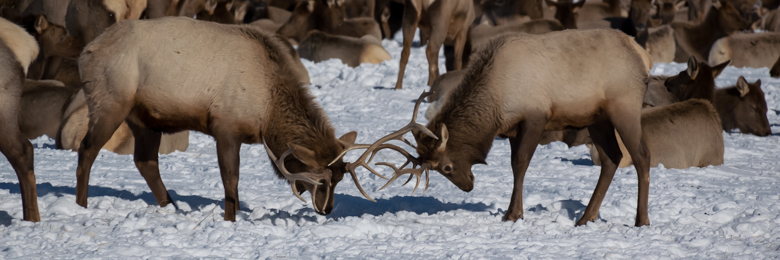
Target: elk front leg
pixel 603 135
pixel 228 148
pixel 410 21
pixel 438 33
pixel 19 152
pixel 523 147
pixel 147 144
pixel 460 44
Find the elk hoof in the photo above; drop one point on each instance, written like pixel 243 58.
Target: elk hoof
pixel 509 216
pixel 642 222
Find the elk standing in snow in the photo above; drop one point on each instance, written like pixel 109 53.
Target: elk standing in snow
pixel 17 50
pixel 440 23
pixel 521 85
pixel 244 89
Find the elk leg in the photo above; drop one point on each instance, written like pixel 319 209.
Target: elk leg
pixel 228 156
pixel 102 125
pixel 147 144
pixel 629 127
pixel 410 21
pixel 603 135
pixel 523 147
pixel 19 152
pixel 438 34
pixel 460 43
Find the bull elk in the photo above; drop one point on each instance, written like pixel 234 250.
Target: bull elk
pixel 680 135
pixel 440 23
pixel 17 50
pixel 504 94
pixel 245 89
pixel 756 50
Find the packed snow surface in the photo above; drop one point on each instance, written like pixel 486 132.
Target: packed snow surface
pixel 730 211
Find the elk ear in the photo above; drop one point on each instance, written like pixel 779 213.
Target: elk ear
pixel 693 67
pixel 330 2
pixel 742 86
pixel 240 11
pixel 445 135
pixel 717 4
pixel 211 6
pixel 310 7
pixel 339 2
pixel 348 138
pixel 304 155
pixel 41 24
pixel 717 69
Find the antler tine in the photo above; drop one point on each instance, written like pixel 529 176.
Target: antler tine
pixel 357 183
pixel 409 157
pixel 301 176
pixel 400 172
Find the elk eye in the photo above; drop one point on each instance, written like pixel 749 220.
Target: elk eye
pixel 447 168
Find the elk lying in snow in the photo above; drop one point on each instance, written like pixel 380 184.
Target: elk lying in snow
pixel 17 50
pixel 245 89
pixel 742 106
pixel 74 124
pixel 504 94
pixel 775 71
pixel 440 23
pixel 680 135
pixel 41 107
pixel 312 15
pixel 696 39
pixel 319 46
pixel 755 50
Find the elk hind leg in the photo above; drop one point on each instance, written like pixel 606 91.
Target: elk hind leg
pixel 102 125
pixel 410 21
pixel 19 152
pixel 147 144
pixel 628 125
pixel 603 135
pixel 523 147
pixel 438 35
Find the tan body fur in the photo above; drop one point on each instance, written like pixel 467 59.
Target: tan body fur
pixel 681 135
pixel 319 46
pixel 245 89
pixel 696 39
pixel 441 23
pixel 41 107
pixel 756 50
pixel 441 89
pixel 86 19
pixel 480 34
pixel 512 89
pixel 17 50
pixel 314 15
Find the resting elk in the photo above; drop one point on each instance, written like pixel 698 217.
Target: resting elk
pixel 756 50
pixel 244 89
pixel 502 12
pixel 319 46
pixel 680 135
pixel 521 85
pixel 440 23
pixel 17 50
pixel 313 15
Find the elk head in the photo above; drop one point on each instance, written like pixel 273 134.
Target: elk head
pixel 54 40
pixel 744 107
pixel 298 25
pixel 314 170
pixel 729 18
pixel 665 9
pixel 86 20
pixel 698 81
pixel 452 160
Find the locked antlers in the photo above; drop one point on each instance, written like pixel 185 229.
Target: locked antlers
pixel 373 149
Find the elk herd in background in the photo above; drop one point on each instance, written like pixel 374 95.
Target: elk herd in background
pixel 517 69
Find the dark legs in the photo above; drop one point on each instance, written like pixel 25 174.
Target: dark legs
pixel 147 144
pixel 410 21
pixel 19 151
pixel 603 135
pixel 228 148
pixel 523 147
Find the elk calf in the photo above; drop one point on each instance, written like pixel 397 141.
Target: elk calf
pixel 17 50
pixel 756 50
pixel 244 88
pixel 440 23
pixel 319 46
pixel 680 135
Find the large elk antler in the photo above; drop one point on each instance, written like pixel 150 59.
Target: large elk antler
pixel 373 149
pixel 313 178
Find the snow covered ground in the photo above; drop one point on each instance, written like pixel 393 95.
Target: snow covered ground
pixel 730 211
